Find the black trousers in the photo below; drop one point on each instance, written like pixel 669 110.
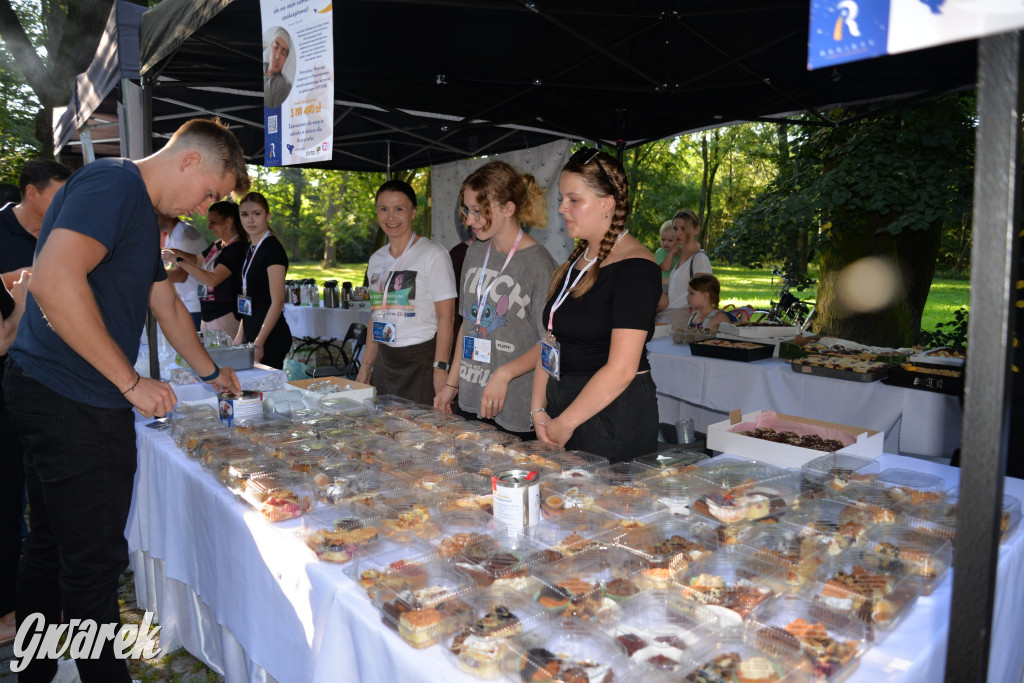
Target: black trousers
pixel 79 469
pixel 625 429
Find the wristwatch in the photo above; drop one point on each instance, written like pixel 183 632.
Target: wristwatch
pixel 441 365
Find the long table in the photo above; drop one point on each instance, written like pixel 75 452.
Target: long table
pixel 326 323
pixel 252 602
pixel 915 422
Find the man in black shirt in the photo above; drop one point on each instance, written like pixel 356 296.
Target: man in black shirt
pixel 20 223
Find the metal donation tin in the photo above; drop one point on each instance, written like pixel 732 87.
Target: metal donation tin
pixel 516 498
pixel 233 406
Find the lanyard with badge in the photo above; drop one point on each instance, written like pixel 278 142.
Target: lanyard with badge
pixel 476 346
pixel 209 262
pixel 244 300
pixel 550 350
pixel 384 331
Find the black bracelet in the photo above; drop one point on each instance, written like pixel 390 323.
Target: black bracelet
pixel 212 375
pixel 180 260
pixel 138 378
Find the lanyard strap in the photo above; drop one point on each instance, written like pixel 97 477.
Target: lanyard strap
pixel 394 269
pixel 248 262
pixel 217 247
pixel 566 289
pixel 481 297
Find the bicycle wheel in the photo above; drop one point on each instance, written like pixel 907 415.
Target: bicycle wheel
pixel 759 316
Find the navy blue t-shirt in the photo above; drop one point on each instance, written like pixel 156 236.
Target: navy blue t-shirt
pixel 106 200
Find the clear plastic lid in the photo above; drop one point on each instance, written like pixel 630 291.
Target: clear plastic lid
pixel 669 545
pixel 314 419
pixel 280 495
pixel 747 500
pixel 206 439
pixel 405 561
pixel 387 425
pixel 366 447
pixel 671 461
pixel 410 411
pixel 731 581
pixel 397 458
pixel 676 491
pixel 339 436
pixel 409 513
pixel 363 488
pixel 656 634
pixel 445 448
pixel 304 456
pixel 1011 511
pixel 459 528
pixel 466 429
pixel 340 405
pixel 466 491
pixel 418 438
pixel 558 496
pixel 731 655
pixel 836 470
pixel 528 449
pixel 336 533
pixel 484 463
pixel 570 532
pixel 215 459
pixel 628 473
pixel 833 524
pixel 869 586
pixel 435 419
pixel 927 555
pixel 568 652
pixel 909 487
pixel 784 547
pixel 496 441
pixel 387 402
pixel 331 473
pixel 188 433
pixel 735 473
pixel 483 647
pixel 590 582
pixel 426 474
pixel 424 616
pixel 873 497
pixel 831 642
pixel 504 557
pixel 234 473
pixel 258 423
pixel 192 411
pixel 578 465
pixel 633 504
pixel 282 435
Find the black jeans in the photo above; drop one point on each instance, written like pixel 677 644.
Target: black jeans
pixel 79 468
pixel 625 429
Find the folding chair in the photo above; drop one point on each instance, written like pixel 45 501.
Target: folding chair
pixel 350 354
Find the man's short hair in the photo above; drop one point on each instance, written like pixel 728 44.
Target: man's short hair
pixel 39 173
pixel 9 193
pixel 213 139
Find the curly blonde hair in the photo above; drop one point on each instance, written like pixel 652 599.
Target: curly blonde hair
pixel 500 182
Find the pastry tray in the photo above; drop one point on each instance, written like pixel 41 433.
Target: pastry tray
pixel 901 377
pixel 762 352
pixel 848 375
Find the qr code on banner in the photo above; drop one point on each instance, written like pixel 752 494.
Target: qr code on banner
pixel 272 124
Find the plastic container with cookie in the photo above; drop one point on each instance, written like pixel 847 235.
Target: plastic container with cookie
pixel 578 465
pixel 738 494
pixel 213 456
pixel 571 531
pixel 341 435
pixel 558 497
pixel 868 586
pixel 187 434
pixel 485 463
pixel 336 533
pixel 235 474
pixel 314 419
pixel 496 441
pixel 631 506
pixel 385 402
pixel 908 487
pixel 499 615
pixel 409 513
pixel 671 461
pixel 466 429
pixel 568 652
pixel 410 465
pixel 185 410
pixel 343 406
pixel 466 491
pixel 835 471
pixel 399 566
pixel 676 491
pixel 929 556
pixel 628 473
pixel 731 582
pixel 363 488
pixel 873 497
pixel 798 556
pixel 305 456
pixel 831 644
pixel 250 426
pixel 426 615
pixel 410 411
pixel 446 449
pixel 532 451
pixel 505 558
pixel 459 528
pixel 669 545
pixel 282 435
pixel 387 425
pixel 420 437
pixel 830 524
pixel 329 479
pixel 730 655
pixel 280 496
pixel 366 447
pixel 203 441
pixel 435 419
pixel 588 584
pixel 938 518
pixel 657 628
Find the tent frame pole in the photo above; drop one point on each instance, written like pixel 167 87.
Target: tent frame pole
pixel 147 148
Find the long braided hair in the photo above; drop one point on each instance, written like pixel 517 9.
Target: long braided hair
pixel 598 182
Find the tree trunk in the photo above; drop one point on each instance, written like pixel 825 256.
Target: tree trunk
pixel 329 252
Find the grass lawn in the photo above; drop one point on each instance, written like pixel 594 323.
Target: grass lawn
pixel 740 286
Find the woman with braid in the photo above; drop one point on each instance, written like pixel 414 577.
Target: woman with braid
pixel 592 389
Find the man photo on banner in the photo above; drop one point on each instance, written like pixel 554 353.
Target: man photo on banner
pixel 276 85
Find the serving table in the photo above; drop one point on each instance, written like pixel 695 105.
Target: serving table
pixel 915 422
pixel 250 600
pixel 325 323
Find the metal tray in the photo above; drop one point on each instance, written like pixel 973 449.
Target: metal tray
pixel 234 357
pixel 848 375
pixel 941 384
pixel 762 352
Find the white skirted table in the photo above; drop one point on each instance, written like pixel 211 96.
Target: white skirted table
pixel 250 600
pixel 914 421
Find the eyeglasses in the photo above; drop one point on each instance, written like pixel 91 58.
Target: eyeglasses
pixel 471 213
pixel 585 155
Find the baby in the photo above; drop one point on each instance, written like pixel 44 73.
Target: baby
pixel 668 240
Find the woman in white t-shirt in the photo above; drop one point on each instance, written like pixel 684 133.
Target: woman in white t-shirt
pixel 691 261
pixel 412 297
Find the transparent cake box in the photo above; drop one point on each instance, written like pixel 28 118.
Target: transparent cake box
pixel 466 491
pixel 314 419
pixel 333 474
pixel 731 582
pixel 387 402
pixel 909 487
pixel 737 499
pixel 872 497
pixel 797 555
pixel 632 505
pixel 347 407
pixel 409 513
pixel 627 473
pixel 366 447
pixel 458 528
pixel 425 616
pixel 466 429
pixel 435 419
pixel 671 461
pixel 497 441
pixel 938 518
pixel 868 586
pixel 250 426
pixel 527 451
pixel 578 465
pixel 235 473
pixel 418 438
pixel 558 497
pixel 831 643
pixel 484 463
pixel 571 532
pixel 675 491
pixel 499 615
pixel 336 533
pixel 387 425
pixel 669 545
pixel 280 436
pixel 363 488
pixel 424 473
pixel 305 456
pixel 188 433
pixel 656 633
pixel 203 440
pixel 391 565
pixel 409 411
pixel 446 449
pixel 1010 516
pixel 215 459
pixel 727 472
pixel 730 655
pixel 836 470
pixel 928 556
pixel 834 524
pixel 396 458
pixel 193 411
pixel 503 558
pixel 564 652
pixel 339 436
pixel 583 587
pixel 279 496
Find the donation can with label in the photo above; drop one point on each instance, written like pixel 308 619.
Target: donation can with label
pixel 233 406
pixel 516 497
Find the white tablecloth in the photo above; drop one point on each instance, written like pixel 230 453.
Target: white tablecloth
pixel 248 598
pixel 706 389
pixel 326 323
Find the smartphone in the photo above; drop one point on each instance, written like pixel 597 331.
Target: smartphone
pixel 162 423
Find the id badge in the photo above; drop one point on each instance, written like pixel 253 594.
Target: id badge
pixel 477 348
pixel 244 305
pixel 203 291
pixel 550 357
pixel 384 332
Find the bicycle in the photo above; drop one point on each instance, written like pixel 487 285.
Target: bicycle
pixel 788 309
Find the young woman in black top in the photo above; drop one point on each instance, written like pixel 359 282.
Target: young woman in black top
pixel 600 315
pixel 219 269
pixel 261 303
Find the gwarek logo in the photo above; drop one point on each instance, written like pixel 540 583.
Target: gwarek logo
pixel 82 639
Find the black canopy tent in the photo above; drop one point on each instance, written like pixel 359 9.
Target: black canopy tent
pixel 419 82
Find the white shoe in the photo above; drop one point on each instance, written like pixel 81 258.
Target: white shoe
pixel 67 672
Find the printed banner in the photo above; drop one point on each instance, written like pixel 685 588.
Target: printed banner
pixel 544 163
pixel 850 30
pixel 298 81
